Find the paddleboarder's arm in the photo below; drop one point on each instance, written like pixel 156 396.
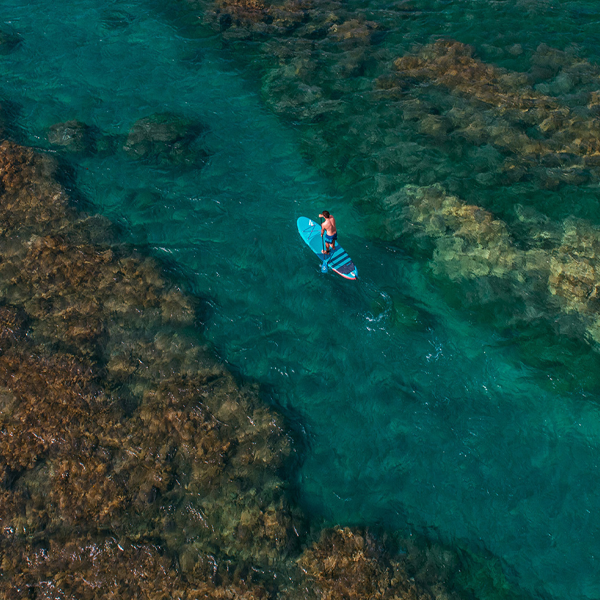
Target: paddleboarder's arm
pixel 323 224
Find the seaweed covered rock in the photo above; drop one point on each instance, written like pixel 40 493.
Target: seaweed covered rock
pixel 12 327
pixel 575 268
pixel 72 288
pixel 97 568
pixel 558 273
pixel 324 68
pixel 83 462
pixel 345 564
pixel 45 393
pixel 72 136
pixel 349 564
pixel 255 19
pixel 469 241
pixel 452 64
pixel 31 200
pixel 167 138
pixel 559 137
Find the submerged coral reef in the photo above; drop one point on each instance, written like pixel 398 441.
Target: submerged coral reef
pixel 498 107
pixel 558 271
pixel 132 464
pixel 348 564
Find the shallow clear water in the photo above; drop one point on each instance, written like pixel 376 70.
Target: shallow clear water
pixel 414 413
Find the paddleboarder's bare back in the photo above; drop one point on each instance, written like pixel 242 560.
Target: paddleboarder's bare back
pixel 328 229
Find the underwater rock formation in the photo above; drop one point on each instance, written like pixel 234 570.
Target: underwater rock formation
pixel 575 274
pixel 563 144
pixel 92 568
pixel 348 564
pixel 163 138
pixel 72 136
pixel 323 65
pixel 113 422
pixel 451 64
pixel 469 243
pixel 254 19
pixel 166 138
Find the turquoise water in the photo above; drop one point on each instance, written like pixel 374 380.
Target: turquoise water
pixel 415 413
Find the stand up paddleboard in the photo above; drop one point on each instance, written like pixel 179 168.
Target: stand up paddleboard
pixel 338 260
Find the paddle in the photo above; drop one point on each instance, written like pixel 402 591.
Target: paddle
pixel 324 263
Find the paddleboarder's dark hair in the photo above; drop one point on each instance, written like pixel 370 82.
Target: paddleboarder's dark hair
pixel 325 213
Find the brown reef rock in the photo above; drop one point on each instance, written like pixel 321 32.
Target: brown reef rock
pixel 469 243
pixel 114 424
pixel 347 564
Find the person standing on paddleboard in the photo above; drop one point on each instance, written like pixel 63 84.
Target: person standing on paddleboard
pixel 329 229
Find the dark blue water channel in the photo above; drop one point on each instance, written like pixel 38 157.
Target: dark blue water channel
pixel 414 414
